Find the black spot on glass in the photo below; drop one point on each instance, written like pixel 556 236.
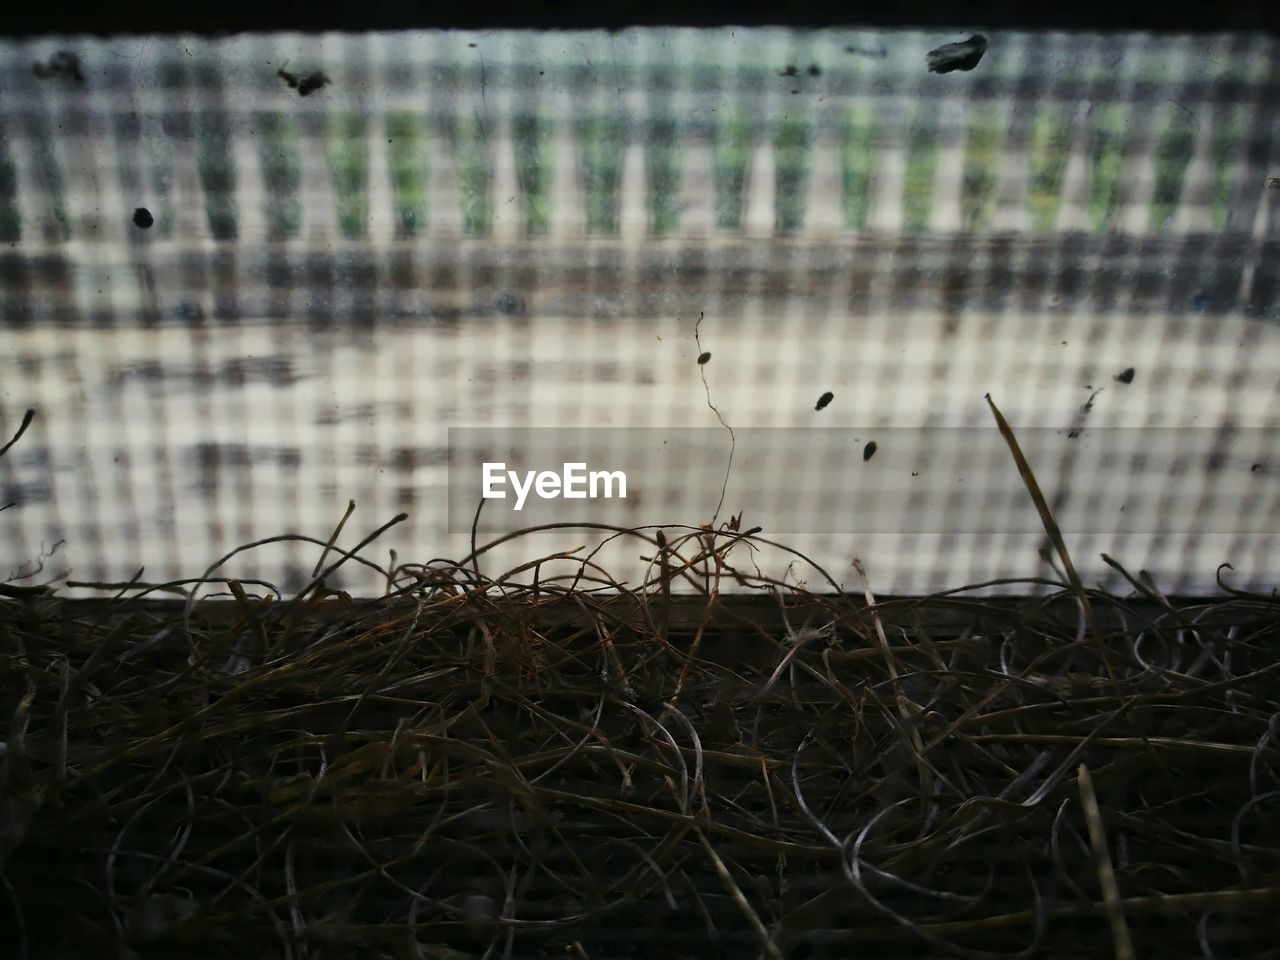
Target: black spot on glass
pixel 1125 375
pixel 824 400
pixel 868 451
pixel 790 71
pixel 61 64
pixel 305 84
pixel 815 70
pixel 1255 468
pixel 1073 434
pixel 142 218
pixel 704 357
pixel 957 56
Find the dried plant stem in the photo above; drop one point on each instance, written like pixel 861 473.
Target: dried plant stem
pixel 1106 872
pixel 907 710
pixel 1060 545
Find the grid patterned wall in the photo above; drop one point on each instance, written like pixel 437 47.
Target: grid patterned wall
pixel 522 229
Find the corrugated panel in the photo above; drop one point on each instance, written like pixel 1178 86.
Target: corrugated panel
pixel 521 230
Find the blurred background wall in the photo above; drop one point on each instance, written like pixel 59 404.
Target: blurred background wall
pixel 522 229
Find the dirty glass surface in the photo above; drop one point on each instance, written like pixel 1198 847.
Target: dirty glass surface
pixel 248 280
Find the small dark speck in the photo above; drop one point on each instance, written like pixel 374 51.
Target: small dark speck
pixel 471 45
pixel 509 304
pixel 61 64
pixel 824 400
pixel 305 85
pixel 1064 343
pixel 1255 468
pixel 868 451
pixel 1073 434
pixel 704 357
pixel 915 473
pixel 1125 375
pixel 815 70
pixel 790 71
pixel 311 83
pixel 957 56
pixel 142 218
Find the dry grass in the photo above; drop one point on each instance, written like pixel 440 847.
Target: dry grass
pixel 517 765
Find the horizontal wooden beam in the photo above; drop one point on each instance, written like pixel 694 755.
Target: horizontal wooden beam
pixel 208 16
pixel 685 613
